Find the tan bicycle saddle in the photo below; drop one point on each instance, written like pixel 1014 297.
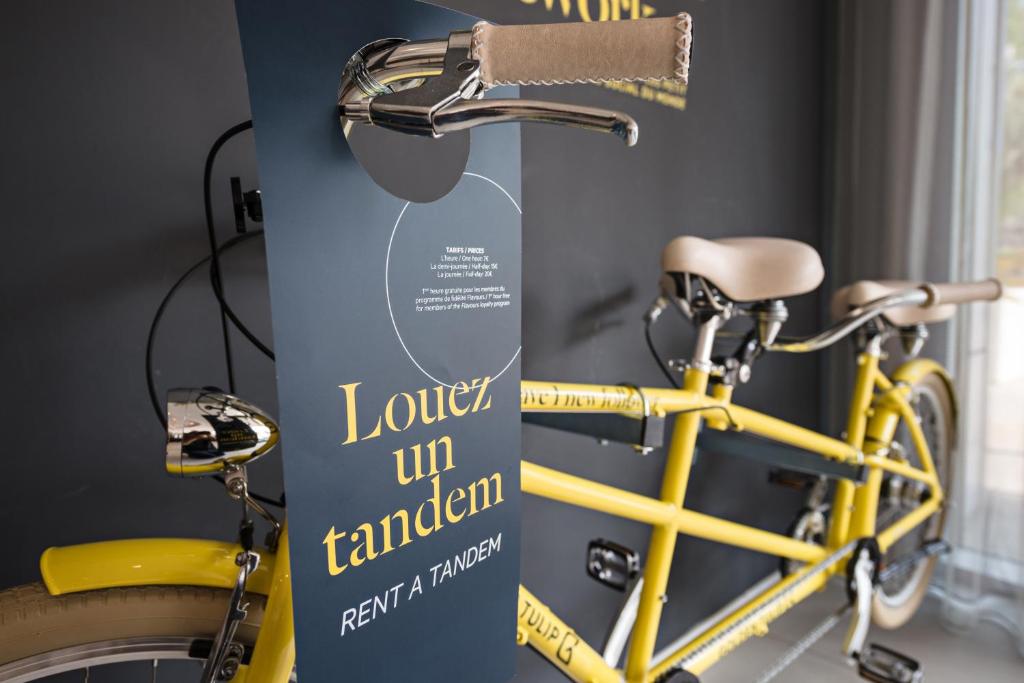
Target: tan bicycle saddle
pixel 865 291
pixel 747 268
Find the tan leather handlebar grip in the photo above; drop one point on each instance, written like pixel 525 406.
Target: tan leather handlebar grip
pixel 595 52
pixel 963 292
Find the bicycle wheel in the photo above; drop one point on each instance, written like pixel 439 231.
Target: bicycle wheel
pixel 42 635
pixel 898 598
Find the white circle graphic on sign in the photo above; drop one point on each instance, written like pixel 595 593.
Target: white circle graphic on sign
pixel 453 303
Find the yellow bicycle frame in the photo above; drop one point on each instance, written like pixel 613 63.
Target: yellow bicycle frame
pixel 879 404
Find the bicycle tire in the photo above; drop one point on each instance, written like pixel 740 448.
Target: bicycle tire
pixel 890 610
pixel 42 635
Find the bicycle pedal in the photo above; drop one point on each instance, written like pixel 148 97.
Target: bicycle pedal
pixel 885 665
pixel 612 564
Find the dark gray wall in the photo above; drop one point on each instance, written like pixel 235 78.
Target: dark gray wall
pixel 109 110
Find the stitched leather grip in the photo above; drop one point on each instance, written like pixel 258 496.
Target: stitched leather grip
pixel 963 292
pixel 595 52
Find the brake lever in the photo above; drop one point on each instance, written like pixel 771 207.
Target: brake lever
pixel 468 114
pixel 414 96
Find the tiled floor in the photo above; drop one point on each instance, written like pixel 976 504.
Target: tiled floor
pixel 985 655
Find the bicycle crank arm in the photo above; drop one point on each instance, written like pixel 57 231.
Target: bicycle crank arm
pixel 908 562
pixel 862 585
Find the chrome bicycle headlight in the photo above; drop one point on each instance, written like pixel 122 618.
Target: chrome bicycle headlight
pixel 208 430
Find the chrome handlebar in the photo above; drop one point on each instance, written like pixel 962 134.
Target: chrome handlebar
pixel 854 320
pixel 433 87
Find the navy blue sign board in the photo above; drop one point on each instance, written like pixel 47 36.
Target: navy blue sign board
pixel 397 332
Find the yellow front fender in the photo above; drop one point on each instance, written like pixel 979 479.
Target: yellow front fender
pixel 914 371
pixel 187 562
pixel 149 562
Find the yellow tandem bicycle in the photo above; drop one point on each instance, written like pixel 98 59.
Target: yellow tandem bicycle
pixel 151 599
pixel 228 608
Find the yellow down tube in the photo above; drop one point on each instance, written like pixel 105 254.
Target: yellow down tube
pixel 539 628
